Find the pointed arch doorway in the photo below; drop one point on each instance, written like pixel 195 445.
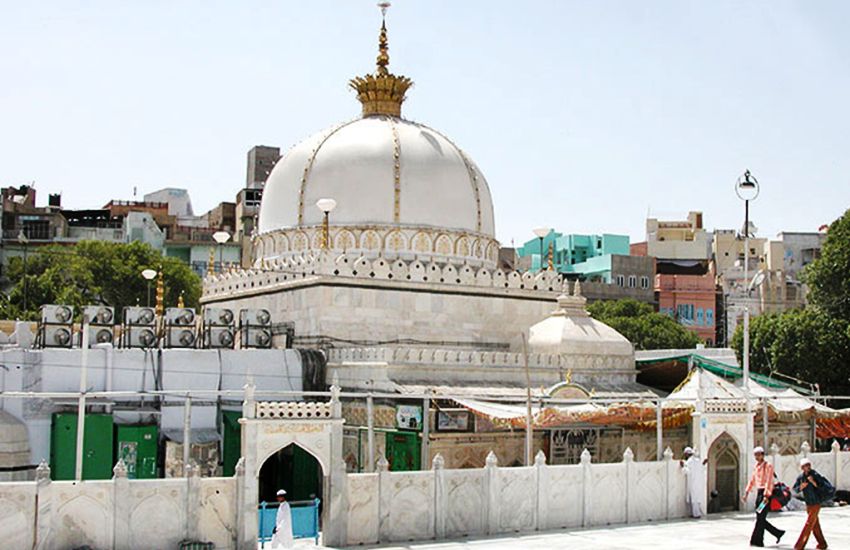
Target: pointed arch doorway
pixel 294 469
pixel 724 474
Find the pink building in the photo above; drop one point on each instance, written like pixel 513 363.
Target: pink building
pixel 691 300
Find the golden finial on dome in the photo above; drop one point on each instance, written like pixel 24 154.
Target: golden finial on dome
pixel 381 93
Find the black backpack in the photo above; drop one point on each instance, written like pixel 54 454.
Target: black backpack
pixel 825 490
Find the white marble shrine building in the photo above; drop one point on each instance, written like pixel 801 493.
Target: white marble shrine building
pixel 399 285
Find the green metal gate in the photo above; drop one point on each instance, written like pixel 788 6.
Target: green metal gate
pixel 97 446
pixel 403 451
pixel 137 445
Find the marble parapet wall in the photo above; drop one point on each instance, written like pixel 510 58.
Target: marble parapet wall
pixel 287 272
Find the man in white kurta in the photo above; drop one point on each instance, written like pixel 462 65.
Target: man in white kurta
pixel 282 537
pixel 694 469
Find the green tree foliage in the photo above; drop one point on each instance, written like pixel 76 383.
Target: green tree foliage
pixel 807 344
pixel 828 277
pixel 94 272
pixel 642 325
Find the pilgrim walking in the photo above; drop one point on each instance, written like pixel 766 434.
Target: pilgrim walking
pixel 762 482
pixel 815 489
pixel 282 533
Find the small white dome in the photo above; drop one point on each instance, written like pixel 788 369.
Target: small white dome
pixel 381 170
pixel 570 330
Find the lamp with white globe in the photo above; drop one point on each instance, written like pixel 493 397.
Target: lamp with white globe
pixel 326 206
pixel 221 237
pixel 149 275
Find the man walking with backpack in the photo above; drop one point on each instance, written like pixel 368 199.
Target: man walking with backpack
pixel 816 490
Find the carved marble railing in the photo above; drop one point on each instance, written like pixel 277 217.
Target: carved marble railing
pixel 465 358
pixel 289 270
pixel 725 406
pixel 293 410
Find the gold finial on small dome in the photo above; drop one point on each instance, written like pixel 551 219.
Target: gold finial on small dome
pixel 381 93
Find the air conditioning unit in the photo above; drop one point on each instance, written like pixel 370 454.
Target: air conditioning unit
pixel 56 336
pixel 56 326
pixel 218 316
pixel 100 335
pixel 57 315
pixel 255 337
pixel 179 337
pixel 255 330
pixel 219 337
pixel 182 316
pixel 139 316
pixel 99 315
pixel 140 337
pixel 255 317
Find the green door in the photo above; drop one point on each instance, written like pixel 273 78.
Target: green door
pixel 232 441
pixel 97 446
pixel 137 445
pixel 305 475
pixel 403 451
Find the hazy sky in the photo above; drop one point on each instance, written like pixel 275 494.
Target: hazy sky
pixel 583 116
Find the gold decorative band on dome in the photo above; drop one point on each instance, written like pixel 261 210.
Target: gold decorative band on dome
pixel 381 93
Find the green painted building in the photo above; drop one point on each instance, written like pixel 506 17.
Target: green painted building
pixel 587 256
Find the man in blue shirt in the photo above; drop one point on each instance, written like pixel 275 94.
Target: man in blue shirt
pixel 809 482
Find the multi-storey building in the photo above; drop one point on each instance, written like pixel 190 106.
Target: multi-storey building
pixel 597 258
pixel 684 281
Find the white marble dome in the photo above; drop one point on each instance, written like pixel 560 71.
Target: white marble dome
pixel 380 170
pixel 571 331
pixel 383 172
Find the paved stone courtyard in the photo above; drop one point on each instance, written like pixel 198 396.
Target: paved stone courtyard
pixel 727 531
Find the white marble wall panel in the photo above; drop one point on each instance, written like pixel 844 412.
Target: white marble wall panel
pixel 362 508
pixel 465 502
pixel 647 491
pixel 677 488
pixel 119 513
pixel 607 492
pixel 411 505
pixel 82 514
pixel 217 511
pixel 786 468
pixel 516 494
pixel 17 512
pixel 563 505
pixel 157 512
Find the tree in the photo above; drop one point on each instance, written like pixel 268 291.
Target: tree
pixel 642 325
pixel 828 277
pixel 807 344
pixel 95 272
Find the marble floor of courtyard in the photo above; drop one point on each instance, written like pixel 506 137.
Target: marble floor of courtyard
pixel 728 531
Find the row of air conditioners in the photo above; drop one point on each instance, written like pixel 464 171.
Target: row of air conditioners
pixel 142 328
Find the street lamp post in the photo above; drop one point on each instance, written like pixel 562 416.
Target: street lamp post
pixel 747 189
pixel 541 232
pixel 149 275
pixel 326 206
pixel 220 237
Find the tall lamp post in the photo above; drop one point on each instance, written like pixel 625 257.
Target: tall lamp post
pixel 221 237
pixel 25 241
pixel 149 275
pixel 326 206
pixel 747 189
pixel 541 232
